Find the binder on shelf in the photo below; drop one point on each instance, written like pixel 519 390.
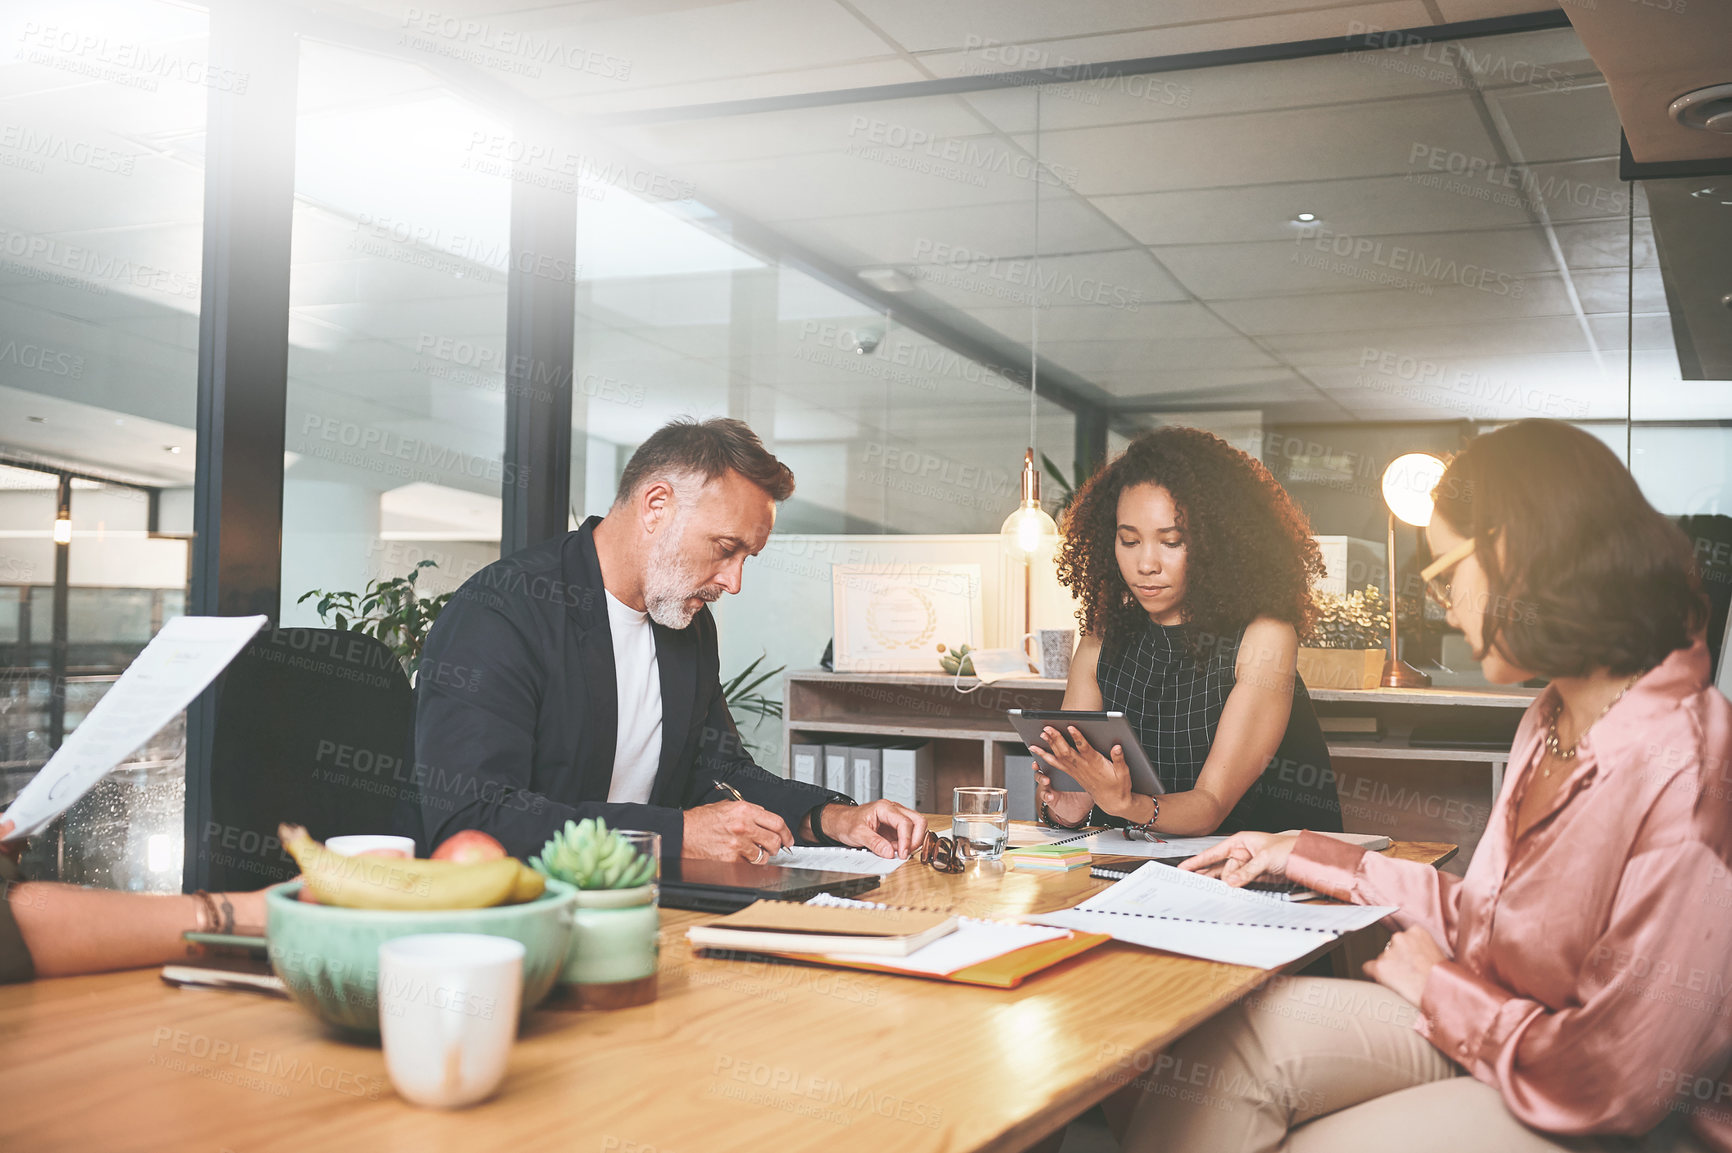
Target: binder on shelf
pixel 807 762
pixel 836 768
pixel 1019 786
pixel 908 776
pixel 865 773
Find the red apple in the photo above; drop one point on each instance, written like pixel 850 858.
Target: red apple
pixel 469 845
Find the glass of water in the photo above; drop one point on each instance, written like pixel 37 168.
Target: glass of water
pixel 981 818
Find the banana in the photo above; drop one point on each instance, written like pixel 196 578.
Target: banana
pixel 408 886
pixel 530 885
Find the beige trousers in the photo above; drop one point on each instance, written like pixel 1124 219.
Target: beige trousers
pixel 1318 1065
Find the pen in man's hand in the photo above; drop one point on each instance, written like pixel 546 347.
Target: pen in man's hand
pixel 735 793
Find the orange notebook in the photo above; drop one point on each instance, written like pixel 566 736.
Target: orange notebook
pixel 1005 971
pixel 995 954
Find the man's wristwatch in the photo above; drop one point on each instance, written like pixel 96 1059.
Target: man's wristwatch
pixel 818 833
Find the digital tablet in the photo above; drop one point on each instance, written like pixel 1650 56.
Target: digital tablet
pixel 1101 730
pixel 724 886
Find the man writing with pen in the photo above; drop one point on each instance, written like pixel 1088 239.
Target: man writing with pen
pixel 580 677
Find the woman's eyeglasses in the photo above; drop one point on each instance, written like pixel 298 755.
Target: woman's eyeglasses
pixel 1439 574
pixel 946 854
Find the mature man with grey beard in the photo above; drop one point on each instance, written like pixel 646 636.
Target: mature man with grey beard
pixel 579 677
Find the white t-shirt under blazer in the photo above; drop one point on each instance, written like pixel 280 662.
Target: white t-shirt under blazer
pixel 637 750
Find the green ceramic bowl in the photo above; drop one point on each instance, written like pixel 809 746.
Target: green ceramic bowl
pixel 329 957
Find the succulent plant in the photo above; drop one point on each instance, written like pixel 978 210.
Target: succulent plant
pixel 1359 620
pixel 590 855
pixel 956 661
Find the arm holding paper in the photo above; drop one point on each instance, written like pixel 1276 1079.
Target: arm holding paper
pixel 54 930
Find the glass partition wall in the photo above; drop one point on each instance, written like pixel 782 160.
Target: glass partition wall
pixel 1330 260
pixel 102 119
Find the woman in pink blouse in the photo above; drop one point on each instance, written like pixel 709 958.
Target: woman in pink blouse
pixel 1580 974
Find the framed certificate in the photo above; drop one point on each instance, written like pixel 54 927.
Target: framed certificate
pixel 892 618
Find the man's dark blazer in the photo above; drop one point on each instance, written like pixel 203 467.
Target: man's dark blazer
pixel 516 711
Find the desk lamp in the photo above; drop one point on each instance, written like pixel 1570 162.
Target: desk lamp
pixel 1407 485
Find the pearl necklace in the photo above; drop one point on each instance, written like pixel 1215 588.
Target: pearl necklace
pixel 1554 746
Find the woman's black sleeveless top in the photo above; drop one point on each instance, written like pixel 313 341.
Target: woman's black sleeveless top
pixel 1173 702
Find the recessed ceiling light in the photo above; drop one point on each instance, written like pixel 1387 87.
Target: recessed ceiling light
pixel 1709 109
pixel 887 279
pixel 174 448
pixel 1305 218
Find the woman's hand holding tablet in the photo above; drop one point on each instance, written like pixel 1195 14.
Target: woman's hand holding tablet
pixel 1068 744
pixel 1107 779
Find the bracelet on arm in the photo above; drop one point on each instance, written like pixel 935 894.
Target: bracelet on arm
pixel 228 926
pixel 208 918
pixel 1046 818
pixel 1146 829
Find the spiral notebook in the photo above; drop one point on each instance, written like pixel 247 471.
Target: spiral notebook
pixel 1160 907
pixel 998 954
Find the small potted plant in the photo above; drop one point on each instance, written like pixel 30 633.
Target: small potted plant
pixel 611 963
pixel 1346 649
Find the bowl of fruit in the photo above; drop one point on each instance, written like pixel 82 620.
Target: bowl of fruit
pixel 324 930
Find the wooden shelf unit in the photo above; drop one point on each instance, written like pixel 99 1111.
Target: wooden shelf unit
pixel 970 736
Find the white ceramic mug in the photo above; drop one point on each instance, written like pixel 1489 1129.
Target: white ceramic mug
pixel 448 1007
pixel 1053 651
pixel 357 843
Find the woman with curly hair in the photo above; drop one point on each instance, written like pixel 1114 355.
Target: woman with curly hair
pixel 1194 569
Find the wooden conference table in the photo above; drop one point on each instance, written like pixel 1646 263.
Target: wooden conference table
pixel 732 1055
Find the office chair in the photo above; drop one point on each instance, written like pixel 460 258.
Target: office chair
pixel 314 727
pixel 1711 543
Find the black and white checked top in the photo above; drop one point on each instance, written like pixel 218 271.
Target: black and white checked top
pixel 1174 702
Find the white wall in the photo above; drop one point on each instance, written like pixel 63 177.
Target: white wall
pixel 783 608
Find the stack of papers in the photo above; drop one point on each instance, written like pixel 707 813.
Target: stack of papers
pixel 1114 843
pixel 830 859
pixel 1160 907
pixel 786 927
pixel 1048 858
pixel 973 942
